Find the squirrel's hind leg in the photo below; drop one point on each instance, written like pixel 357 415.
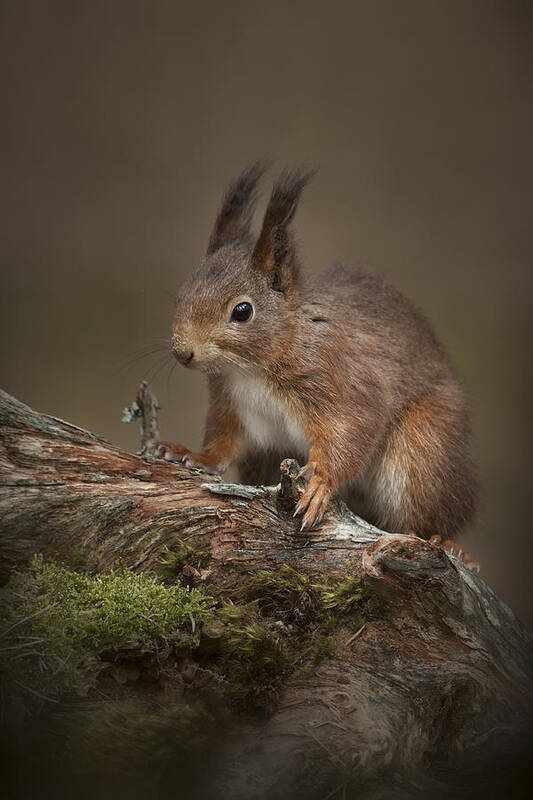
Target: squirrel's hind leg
pixel 421 479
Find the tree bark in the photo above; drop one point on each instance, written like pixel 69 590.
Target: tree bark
pixel 427 698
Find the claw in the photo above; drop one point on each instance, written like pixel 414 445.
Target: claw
pixel 302 505
pixel 314 503
pixel 305 525
pixel 457 551
pixel 307 522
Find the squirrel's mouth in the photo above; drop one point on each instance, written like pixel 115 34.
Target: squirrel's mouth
pixel 211 367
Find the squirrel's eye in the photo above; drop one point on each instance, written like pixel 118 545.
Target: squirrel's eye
pixel 242 312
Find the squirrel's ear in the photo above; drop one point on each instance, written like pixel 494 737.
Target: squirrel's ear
pixel 233 220
pixel 274 252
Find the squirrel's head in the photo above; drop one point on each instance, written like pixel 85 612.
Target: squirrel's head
pixel 238 306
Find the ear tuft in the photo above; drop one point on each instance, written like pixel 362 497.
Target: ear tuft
pixel 285 196
pixel 274 250
pixel 235 215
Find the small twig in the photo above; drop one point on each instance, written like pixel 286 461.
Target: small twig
pixel 356 634
pixel 145 407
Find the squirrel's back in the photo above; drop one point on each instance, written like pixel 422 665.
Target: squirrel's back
pixel 362 323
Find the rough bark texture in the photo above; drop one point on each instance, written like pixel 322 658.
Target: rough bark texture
pixel 430 696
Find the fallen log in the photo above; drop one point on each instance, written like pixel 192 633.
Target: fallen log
pixel 425 686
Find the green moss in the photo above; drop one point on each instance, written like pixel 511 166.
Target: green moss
pixel 254 657
pixel 304 598
pixel 68 634
pixel 288 622
pixel 182 554
pixel 345 597
pixel 59 622
pixel 62 629
pixel 254 649
pixel 296 594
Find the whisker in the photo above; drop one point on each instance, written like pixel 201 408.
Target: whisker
pixel 154 366
pixel 146 352
pixel 156 370
pixel 170 373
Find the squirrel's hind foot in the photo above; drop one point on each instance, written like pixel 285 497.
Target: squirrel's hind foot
pixel 457 551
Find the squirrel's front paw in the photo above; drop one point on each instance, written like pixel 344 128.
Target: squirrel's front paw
pixel 170 452
pixel 201 461
pixel 176 452
pixel 313 502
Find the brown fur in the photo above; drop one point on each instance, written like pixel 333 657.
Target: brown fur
pixel 348 359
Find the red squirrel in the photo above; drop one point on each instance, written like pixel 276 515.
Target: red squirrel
pixel 339 371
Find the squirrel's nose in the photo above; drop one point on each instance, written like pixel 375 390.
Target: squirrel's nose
pixel 184 356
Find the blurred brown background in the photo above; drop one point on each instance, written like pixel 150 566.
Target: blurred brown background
pixel 123 121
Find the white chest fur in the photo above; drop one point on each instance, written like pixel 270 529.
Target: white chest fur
pixel 266 420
